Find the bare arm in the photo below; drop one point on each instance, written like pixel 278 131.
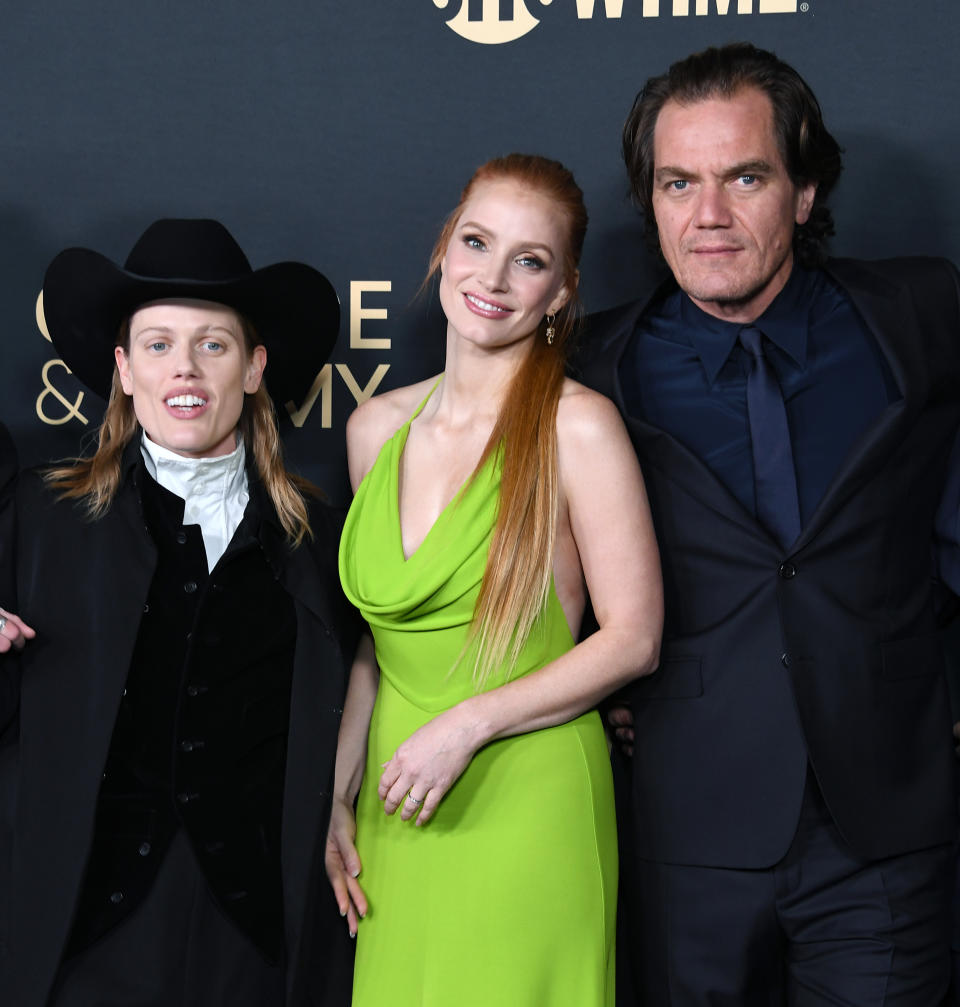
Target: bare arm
pixel 342 860
pixel 367 428
pixel 610 521
pixel 611 525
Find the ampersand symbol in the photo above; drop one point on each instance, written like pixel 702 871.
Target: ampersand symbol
pixel 73 408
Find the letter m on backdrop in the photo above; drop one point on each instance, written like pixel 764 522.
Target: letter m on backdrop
pixel 681 8
pixel 612 8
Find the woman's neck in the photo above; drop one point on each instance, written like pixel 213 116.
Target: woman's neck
pixel 475 380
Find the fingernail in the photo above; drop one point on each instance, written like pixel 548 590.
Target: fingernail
pixel 353 934
pixel 343 912
pixel 355 874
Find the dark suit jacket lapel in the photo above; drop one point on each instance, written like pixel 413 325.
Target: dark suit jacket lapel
pixel 888 312
pixel 655 446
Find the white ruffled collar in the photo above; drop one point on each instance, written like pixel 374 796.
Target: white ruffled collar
pixel 214 490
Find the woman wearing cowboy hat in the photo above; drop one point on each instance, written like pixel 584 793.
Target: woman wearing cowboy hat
pixel 179 705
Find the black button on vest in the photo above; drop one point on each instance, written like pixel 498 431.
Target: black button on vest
pixel 200 737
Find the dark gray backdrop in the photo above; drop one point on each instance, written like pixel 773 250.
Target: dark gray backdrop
pixel 340 133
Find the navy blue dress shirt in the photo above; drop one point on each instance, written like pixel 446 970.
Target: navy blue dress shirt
pixel 687 374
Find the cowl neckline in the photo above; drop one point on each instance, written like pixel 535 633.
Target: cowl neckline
pixel 436 586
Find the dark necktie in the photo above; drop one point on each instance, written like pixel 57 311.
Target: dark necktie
pixel 773 472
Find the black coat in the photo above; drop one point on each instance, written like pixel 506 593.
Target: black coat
pixel 82 584
pixel 8 667
pixel 8 465
pixel 826 650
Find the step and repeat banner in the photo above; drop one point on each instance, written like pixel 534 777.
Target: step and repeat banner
pixel 340 133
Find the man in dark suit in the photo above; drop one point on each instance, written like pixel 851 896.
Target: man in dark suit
pixel 792 775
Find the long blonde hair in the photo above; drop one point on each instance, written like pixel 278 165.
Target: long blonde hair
pixel 516 581
pixel 96 479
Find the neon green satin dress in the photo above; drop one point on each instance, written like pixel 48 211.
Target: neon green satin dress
pixel 508 894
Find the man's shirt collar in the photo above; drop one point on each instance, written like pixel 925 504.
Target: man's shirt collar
pixel 785 323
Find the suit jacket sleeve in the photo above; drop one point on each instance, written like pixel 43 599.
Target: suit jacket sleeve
pixel 947 524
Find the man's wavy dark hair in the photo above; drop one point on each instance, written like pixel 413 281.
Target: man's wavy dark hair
pixel 808 150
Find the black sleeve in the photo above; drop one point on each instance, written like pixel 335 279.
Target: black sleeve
pixel 9 663
pixel 327 524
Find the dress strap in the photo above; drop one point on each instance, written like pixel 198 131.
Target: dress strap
pixel 419 408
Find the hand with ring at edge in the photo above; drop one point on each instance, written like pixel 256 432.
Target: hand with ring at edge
pixel 427 764
pixel 417 801
pixel 14 632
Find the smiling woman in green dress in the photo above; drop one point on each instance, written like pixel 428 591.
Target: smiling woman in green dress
pixel 489 501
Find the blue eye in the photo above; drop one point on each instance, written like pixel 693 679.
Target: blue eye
pixel 472 241
pixel 748 179
pixel 156 346
pixel 679 184
pixel 212 345
pixel 529 262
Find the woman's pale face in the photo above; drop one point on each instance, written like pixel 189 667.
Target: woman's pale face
pixel 187 370
pixel 503 267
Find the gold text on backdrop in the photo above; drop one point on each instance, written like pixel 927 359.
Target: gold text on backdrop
pixel 322 387
pixel 72 408
pixel 483 21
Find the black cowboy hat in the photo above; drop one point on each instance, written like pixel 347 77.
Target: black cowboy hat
pixel 293 307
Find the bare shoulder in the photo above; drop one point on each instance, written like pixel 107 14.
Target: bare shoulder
pixel 585 417
pixel 375 421
pixel 593 447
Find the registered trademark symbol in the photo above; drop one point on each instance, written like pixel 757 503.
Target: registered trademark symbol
pixel 804 7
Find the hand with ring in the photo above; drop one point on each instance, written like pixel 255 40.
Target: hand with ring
pixel 14 632
pixel 428 764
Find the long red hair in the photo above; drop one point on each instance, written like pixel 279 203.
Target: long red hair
pixel 519 567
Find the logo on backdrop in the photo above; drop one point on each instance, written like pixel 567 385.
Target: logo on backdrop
pixel 493 22
pixel 65 409
pixel 492 28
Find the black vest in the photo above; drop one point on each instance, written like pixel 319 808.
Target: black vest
pixel 200 739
